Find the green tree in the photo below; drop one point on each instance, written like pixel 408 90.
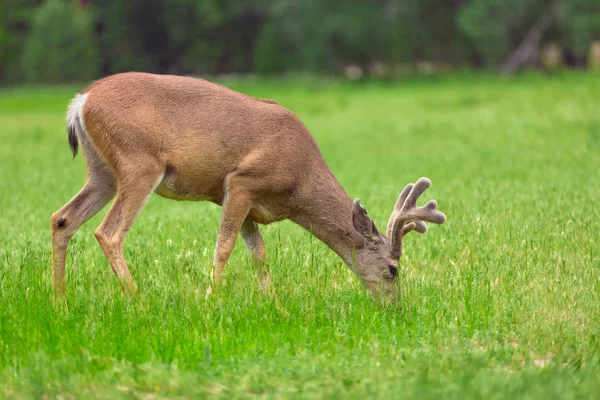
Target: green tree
pixel 67 42
pixel 15 21
pixel 132 35
pixel 427 30
pixel 581 20
pixel 498 26
pixel 271 54
pixel 214 36
pixel 60 46
pixel 326 34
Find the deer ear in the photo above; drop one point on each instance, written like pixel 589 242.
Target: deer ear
pixel 361 220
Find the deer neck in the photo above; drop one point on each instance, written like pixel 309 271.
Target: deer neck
pixel 327 214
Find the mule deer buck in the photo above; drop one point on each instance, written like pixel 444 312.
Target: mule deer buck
pixel 188 139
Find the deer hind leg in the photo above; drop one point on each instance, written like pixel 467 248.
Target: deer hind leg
pixel 135 185
pixel 236 206
pixel 256 246
pixel 97 192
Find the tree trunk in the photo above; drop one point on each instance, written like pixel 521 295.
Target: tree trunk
pixel 529 45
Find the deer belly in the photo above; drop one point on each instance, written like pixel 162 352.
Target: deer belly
pixel 177 186
pixel 262 215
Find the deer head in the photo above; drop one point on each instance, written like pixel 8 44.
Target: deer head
pixel 376 261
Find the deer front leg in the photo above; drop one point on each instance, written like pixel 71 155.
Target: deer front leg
pixel 256 246
pixel 235 210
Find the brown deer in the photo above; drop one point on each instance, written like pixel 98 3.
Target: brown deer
pixel 188 139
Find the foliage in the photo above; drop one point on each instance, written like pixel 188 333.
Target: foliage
pixel 131 36
pixel 60 46
pixel 427 30
pixel 275 36
pixel 582 22
pixel 15 21
pixel 506 23
pixel 502 301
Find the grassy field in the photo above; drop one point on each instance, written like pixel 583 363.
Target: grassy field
pixel 502 301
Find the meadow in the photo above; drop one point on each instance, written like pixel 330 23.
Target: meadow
pixel 502 301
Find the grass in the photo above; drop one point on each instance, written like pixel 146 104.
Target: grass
pixel 502 301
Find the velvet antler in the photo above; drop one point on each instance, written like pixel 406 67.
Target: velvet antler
pixel 407 216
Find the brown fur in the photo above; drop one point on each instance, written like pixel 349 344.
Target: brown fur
pixel 189 139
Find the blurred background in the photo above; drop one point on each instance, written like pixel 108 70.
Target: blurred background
pixel 78 40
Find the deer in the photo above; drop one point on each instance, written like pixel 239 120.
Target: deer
pixel 185 138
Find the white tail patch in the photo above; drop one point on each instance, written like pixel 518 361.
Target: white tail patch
pixel 75 113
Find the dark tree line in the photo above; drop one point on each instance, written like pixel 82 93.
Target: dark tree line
pixel 62 40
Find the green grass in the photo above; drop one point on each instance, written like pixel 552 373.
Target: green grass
pixel 502 301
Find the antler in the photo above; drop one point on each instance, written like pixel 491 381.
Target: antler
pixel 407 216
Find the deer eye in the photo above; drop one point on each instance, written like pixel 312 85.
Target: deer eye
pixel 393 270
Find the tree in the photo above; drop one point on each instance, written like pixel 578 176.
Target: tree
pixel 581 21
pixel 214 36
pixel 15 21
pixel 65 54
pixel 132 36
pixel 499 26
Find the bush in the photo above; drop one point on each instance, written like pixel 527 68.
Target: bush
pixel 15 20
pixel 269 54
pixel 60 46
pixel 582 23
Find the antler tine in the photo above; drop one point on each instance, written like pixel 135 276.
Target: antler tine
pixel 408 216
pixel 411 200
pixel 402 198
pixel 418 226
pixel 428 212
pixel 398 207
